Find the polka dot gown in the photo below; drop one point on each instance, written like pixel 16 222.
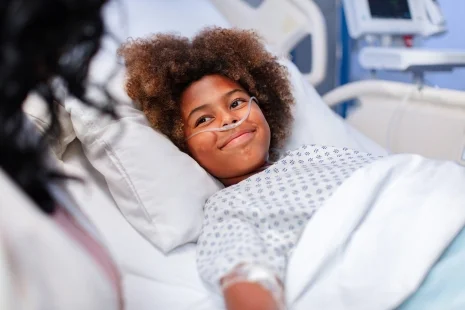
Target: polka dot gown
pixel 260 219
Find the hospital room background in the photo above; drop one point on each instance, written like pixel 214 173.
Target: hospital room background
pixel 394 73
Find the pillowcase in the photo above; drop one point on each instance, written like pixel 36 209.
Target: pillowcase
pixel 316 123
pixel 37 112
pixel 160 190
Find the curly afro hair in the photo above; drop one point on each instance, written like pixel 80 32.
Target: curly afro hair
pixel 161 67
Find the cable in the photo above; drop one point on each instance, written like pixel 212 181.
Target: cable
pixel 230 126
pixel 396 115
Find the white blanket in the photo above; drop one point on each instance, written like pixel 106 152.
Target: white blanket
pixel 374 242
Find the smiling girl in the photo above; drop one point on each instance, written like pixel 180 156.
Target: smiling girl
pixel 226 101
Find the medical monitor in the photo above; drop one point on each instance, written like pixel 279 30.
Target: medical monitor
pixel 384 17
pixel 389 9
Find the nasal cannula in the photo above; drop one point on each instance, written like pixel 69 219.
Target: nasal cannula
pixel 230 126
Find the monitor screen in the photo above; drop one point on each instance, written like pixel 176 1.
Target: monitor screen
pixel 397 9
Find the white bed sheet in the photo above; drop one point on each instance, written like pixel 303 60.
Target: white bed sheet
pixel 378 236
pixel 151 280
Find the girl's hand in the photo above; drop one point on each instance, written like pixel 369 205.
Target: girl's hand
pixel 249 296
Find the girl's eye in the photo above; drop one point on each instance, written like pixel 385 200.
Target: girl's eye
pixel 202 120
pixel 237 103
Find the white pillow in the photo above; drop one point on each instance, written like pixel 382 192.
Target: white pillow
pixel 316 123
pixel 160 190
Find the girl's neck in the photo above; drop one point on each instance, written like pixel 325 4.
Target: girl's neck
pixel 234 180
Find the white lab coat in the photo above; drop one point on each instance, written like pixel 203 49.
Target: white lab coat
pixel 40 266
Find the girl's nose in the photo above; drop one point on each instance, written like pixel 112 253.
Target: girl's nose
pixel 229 120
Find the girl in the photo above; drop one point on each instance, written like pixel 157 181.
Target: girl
pixel 224 100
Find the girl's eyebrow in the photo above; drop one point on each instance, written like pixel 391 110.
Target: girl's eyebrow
pixel 229 93
pixel 203 106
pixel 200 107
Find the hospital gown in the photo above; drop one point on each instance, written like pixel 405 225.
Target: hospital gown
pixel 260 219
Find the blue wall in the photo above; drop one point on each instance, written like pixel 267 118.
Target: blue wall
pixel 454 12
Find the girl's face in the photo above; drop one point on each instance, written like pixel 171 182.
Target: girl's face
pixel 215 101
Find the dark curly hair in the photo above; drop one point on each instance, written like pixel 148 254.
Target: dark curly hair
pixel 161 67
pixel 41 40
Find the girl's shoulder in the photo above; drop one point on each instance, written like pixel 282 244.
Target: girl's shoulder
pixel 319 151
pixel 321 155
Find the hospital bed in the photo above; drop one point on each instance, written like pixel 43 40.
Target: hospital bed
pixel 151 278
pixel 404 119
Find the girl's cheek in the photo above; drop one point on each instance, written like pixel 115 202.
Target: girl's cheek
pixel 203 143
